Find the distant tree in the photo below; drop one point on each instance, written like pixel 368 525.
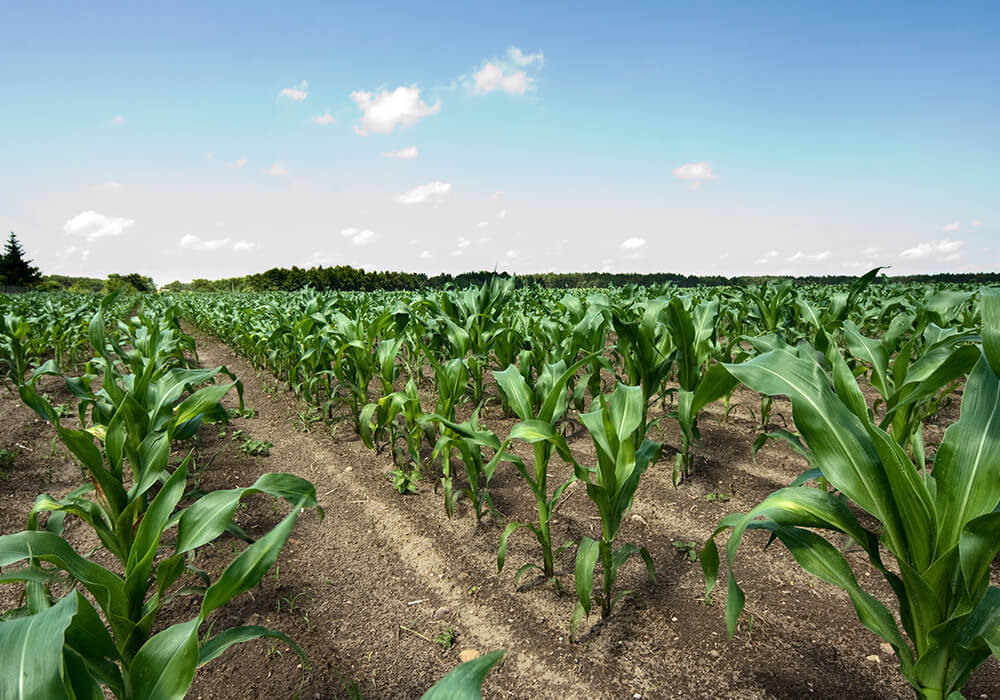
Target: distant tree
pixel 133 282
pixel 15 271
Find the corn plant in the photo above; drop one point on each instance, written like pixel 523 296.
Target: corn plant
pixel 939 528
pixel 614 428
pixel 646 350
pixel 539 431
pixel 468 439
pixel 701 382
pixel 395 413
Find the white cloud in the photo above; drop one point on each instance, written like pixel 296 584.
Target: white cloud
pixel 492 77
pixel 383 112
pixel 525 59
pixel 359 237
pixel 118 120
pixel 324 119
pixel 403 153
pixel 817 257
pixel 949 228
pixel 976 223
pixel 482 224
pixel 766 257
pixel 431 192
pixel 695 171
pixel 209 155
pixel 632 243
pixel 278 169
pixel 92 225
pixel 505 74
pixel 297 93
pixel 511 254
pixel 873 252
pixel 239 163
pixel 111 185
pixel 496 195
pixel 464 242
pixel 426 255
pixel 502 214
pixel 192 242
pixel 945 249
pixel 242 246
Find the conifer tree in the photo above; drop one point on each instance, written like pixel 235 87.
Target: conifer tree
pixel 15 271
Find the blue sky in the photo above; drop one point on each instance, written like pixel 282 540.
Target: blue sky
pixel 213 139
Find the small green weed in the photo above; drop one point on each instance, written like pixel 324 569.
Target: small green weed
pixel 257 448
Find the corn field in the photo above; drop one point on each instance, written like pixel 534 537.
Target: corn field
pixel 459 387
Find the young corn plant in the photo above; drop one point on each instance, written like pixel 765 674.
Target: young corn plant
pixel 468 438
pixel 701 382
pixel 940 528
pixel 614 428
pixel 539 431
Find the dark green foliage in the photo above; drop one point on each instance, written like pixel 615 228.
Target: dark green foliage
pixel 15 271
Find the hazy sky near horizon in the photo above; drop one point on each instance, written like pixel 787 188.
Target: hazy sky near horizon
pixel 216 139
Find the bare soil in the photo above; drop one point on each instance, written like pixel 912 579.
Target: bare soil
pixel 366 589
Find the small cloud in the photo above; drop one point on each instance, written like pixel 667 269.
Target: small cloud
pixel 873 252
pixel 496 195
pixel 431 192
pixel 464 242
pixel 817 257
pixel 319 258
pixel 946 250
pixel 506 74
pixel 492 77
pixel 239 163
pixel 976 223
pixel 766 257
pixel 383 112
pixel 502 214
pixel 632 243
pixel 511 254
pixel 482 224
pixel 209 155
pixel 192 242
pixel 243 246
pixel 324 119
pixel 111 185
pixel 118 120
pixel 297 93
pixel 698 172
pixel 359 237
pixel 525 59
pixel 949 228
pixel 277 169
pixel 92 225
pixel 403 154
pixel 425 255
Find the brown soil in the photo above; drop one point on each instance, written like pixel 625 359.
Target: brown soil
pixel 360 589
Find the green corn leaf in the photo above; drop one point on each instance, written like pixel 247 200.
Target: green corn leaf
pixel 32 648
pixel 967 466
pixel 586 560
pixel 465 681
pixel 210 515
pixel 250 566
pixel 990 308
pixel 218 644
pixel 164 666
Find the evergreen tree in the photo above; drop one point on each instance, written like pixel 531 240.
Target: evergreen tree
pixel 15 271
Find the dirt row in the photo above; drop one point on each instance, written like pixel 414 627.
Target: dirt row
pixel 367 589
